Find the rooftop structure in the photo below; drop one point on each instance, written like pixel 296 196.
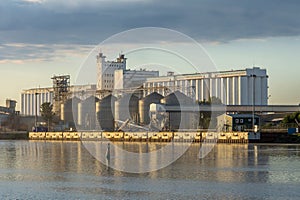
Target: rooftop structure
pixel 132 78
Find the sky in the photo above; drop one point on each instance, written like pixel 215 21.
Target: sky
pixel 40 38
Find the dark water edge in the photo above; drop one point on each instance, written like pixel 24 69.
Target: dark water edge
pixel 17 135
pixel 66 170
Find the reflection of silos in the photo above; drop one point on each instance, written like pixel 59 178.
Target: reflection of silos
pixel 126 107
pixel 104 113
pixel 144 106
pixel 87 113
pixel 69 110
pixel 178 118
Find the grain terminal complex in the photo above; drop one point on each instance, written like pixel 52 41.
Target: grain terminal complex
pixel 90 103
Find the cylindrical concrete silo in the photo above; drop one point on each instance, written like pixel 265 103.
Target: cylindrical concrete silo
pixel 104 113
pixel 69 110
pixel 179 118
pixel 144 105
pixel 126 107
pixel 87 113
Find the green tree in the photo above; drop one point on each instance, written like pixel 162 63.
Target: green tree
pixel 215 100
pixel 47 113
pixel 208 119
pixel 212 100
pixel 291 118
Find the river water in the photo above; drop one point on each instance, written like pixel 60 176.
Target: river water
pixel 66 170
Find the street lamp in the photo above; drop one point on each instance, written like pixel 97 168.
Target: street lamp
pixel 253 98
pixel 35 120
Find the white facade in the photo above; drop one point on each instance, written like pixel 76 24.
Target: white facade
pixel 239 87
pixel 106 69
pixel 34 98
pixel 30 97
pixel 132 78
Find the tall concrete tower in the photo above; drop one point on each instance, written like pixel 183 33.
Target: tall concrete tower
pixel 106 69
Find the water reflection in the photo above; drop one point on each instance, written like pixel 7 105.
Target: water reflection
pixel 60 170
pixel 136 157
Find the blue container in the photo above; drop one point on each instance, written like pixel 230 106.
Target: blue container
pixel 292 130
pixel 40 129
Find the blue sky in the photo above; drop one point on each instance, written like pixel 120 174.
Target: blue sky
pixel 40 38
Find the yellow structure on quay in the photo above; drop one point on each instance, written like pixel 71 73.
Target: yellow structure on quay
pixel 221 137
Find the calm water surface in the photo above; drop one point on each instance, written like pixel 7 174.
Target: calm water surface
pixel 66 170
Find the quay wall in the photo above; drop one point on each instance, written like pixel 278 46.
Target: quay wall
pixel 222 137
pixel 14 135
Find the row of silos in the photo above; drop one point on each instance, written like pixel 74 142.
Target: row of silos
pixel 80 113
pixel 101 114
pixel 177 119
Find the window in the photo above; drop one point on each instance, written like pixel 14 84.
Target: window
pixel 237 121
pixel 241 121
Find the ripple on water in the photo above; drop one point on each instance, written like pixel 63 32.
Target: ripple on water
pixel 65 170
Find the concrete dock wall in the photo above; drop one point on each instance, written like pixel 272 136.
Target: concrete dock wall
pixel 14 135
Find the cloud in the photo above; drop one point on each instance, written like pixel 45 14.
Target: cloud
pixel 6 61
pixel 33 1
pixel 19 53
pixel 91 21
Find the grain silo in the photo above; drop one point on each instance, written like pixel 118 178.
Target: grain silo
pixel 105 113
pixel 87 113
pixel 144 106
pixel 69 111
pixel 126 107
pixel 176 105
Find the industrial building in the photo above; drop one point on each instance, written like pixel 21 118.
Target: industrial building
pixel 111 113
pixel 236 87
pixel 32 99
pixel 112 75
pixel 122 96
pixel 132 78
pixel 237 122
pixel 7 110
pixel 106 69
